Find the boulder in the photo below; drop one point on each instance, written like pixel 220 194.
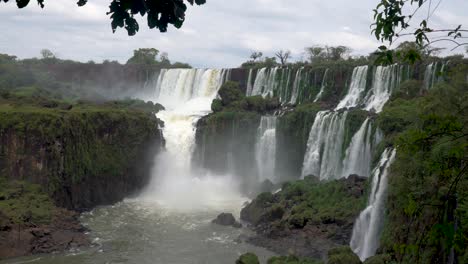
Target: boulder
pixel 226 219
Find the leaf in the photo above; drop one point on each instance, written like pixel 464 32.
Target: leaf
pixel 81 2
pixel 22 3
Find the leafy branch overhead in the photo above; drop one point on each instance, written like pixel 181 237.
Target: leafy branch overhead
pixel 159 13
pixel 392 22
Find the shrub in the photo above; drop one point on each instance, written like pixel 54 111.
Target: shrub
pixel 248 258
pixel 230 92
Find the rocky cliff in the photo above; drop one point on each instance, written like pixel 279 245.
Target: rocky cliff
pixel 82 157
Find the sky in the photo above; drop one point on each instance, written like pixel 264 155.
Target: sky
pixel 219 34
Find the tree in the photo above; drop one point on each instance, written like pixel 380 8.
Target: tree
pixel 283 56
pixel 337 53
pixel 144 56
pixel 160 13
pixel 391 22
pixel 270 62
pixel 256 55
pixel 333 53
pixel 47 54
pixel 315 53
pixel 164 60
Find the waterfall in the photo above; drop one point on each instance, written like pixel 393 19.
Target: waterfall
pixel 265 149
pixel 368 226
pixel 431 74
pixel 323 156
pixel 296 86
pixel 356 88
pixel 386 79
pixel 249 84
pixel 187 95
pixel 265 82
pixel 322 89
pixel 359 153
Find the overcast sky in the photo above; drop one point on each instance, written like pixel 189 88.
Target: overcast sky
pixel 218 34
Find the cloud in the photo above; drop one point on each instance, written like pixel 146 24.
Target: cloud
pixel 218 34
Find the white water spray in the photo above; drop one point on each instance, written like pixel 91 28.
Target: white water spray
pixel 322 89
pixel 187 95
pixel 356 88
pixel 359 153
pixel 368 226
pixel 265 149
pixel 323 156
pixel 386 79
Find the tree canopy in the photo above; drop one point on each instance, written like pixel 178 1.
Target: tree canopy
pixel 392 21
pixel 159 13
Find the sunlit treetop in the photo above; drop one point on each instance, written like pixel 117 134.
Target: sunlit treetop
pixel 159 13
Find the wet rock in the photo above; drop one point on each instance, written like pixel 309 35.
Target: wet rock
pixel 226 219
pixel 63 233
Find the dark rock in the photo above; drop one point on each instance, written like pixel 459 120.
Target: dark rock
pixel 226 219
pixel 355 185
pixel 63 233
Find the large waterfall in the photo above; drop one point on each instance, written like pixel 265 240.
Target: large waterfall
pixel 265 82
pixel 356 88
pixel 187 95
pixel 324 147
pixel 368 226
pixel 265 149
pixel 359 153
pixel 386 79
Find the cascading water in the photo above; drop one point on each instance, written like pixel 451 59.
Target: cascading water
pixel 249 83
pixel 386 79
pixel 265 82
pixel 368 226
pixel 322 88
pixel 296 86
pixel 434 74
pixel 265 149
pixel 356 88
pixel 359 153
pixel 187 95
pixel 323 156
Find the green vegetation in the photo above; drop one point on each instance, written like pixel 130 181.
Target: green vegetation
pixel 292 260
pixel 233 100
pixel 342 255
pixel 305 202
pixel 248 258
pixel 427 219
pixel 71 81
pixel 23 202
pixel 394 20
pixel 61 143
pixel 292 134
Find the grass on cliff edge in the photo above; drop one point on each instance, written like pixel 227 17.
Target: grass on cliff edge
pixel 23 202
pixel 308 202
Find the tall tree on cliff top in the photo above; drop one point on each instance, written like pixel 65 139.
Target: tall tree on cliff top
pixel 160 13
pixel 393 22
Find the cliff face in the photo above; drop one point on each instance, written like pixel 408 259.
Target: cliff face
pixel 225 142
pixel 80 158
